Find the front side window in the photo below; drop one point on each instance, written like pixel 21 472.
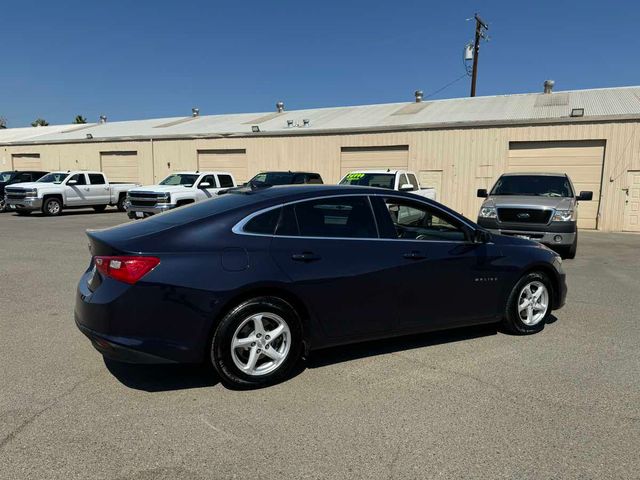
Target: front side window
pixel 416 221
pixel 383 180
pixel 54 177
pixel 210 180
pixel 533 185
pixel 413 181
pixel 79 178
pixel 340 217
pixel 225 181
pixel 180 179
pixel 96 179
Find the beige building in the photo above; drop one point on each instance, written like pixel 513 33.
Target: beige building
pixel 456 145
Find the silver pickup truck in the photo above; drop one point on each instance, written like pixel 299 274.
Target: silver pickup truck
pixel 535 206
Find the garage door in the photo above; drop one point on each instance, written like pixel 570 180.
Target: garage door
pixel 26 161
pixel 632 202
pixel 582 161
pixel 120 166
pixel 394 157
pixel 233 161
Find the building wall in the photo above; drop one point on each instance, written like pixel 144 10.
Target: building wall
pixel 469 158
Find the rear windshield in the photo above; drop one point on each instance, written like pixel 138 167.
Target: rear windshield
pixel 384 180
pixel 533 185
pixel 54 177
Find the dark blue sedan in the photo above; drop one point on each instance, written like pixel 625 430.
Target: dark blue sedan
pixel 253 279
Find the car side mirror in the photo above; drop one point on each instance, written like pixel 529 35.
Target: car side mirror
pixel 481 236
pixel 72 182
pixel 482 193
pixel 585 196
pixel 205 185
pixel 406 187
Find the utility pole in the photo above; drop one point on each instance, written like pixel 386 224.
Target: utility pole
pixel 481 26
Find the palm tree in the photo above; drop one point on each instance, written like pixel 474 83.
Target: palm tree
pixel 39 122
pixel 79 119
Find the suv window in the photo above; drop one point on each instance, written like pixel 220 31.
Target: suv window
pixel 24 177
pixel 96 179
pixel 225 181
pixel 314 179
pixel 417 221
pixel 264 224
pixel 79 178
pixel 342 217
pixel 210 179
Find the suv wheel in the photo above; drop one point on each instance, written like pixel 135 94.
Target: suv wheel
pixel 257 343
pixel 52 206
pixel 529 304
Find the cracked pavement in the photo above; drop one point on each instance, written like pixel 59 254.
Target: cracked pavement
pixel 474 403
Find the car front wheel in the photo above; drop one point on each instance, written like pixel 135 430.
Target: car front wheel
pixel 257 343
pixel 529 304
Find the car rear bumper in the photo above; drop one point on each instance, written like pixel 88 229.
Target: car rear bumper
pixel 24 203
pixel 145 323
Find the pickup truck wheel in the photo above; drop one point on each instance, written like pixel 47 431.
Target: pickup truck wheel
pixel 257 343
pixel 100 208
pixel 529 304
pixel 120 204
pixel 52 206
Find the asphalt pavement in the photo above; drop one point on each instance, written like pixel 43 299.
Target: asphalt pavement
pixel 473 403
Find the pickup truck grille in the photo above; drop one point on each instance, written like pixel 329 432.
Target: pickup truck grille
pixel 15 194
pixel 524 215
pixel 144 199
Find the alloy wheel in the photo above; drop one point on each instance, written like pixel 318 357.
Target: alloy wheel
pixel 261 344
pixel 533 303
pixel 53 207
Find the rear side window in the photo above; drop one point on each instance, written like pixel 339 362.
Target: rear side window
pixel 225 181
pixel 264 224
pixel 315 179
pixel 342 217
pixel 96 179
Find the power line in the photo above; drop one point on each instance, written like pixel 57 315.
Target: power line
pixel 447 85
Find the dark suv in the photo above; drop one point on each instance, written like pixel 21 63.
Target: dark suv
pixel 286 178
pixel 11 177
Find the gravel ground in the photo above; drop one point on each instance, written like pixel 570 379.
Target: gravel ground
pixel 474 403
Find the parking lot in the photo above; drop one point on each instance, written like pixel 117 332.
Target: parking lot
pixel 474 403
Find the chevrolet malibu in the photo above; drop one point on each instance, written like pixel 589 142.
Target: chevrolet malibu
pixel 255 279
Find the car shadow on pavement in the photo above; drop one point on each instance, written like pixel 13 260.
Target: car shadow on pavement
pixel 162 377
pixel 67 213
pixel 330 356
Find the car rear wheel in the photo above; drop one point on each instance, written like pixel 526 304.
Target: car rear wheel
pixel 257 343
pixel 52 206
pixel 529 304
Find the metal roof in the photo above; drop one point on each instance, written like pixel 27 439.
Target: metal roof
pixel 603 104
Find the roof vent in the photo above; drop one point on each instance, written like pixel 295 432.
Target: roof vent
pixel 548 86
pixel 103 119
pixel 280 107
pixel 419 95
pixel 195 112
pixel 289 123
pixel 305 122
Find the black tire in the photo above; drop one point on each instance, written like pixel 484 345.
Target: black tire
pixel 220 351
pixel 52 207
pixel 120 204
pixel 512 321
pixel 100 208
pixel 3 206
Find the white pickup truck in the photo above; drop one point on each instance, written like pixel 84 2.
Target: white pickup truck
pixel 401 180
pixel 178 189
pixel 71 189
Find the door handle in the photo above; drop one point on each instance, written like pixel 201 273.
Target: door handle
pixel 415 255
pixel 305 257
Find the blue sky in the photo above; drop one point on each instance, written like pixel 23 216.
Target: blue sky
pixel 145 59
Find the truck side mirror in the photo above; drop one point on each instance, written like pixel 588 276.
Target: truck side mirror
pixel 407 187
pixel 204 185
pixel 72 182
pixel 585 196
pixel 482 193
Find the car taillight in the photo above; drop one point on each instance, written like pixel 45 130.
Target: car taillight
pixel 125 269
